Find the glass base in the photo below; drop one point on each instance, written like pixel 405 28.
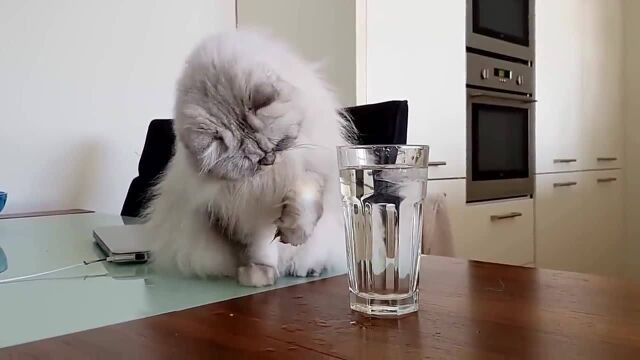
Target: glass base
pixel 386 307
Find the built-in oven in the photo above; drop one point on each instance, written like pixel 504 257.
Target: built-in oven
pixel 504 27
pixel 500 129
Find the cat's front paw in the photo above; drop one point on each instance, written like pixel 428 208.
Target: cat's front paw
pixel 301 211
pixel 295 226
pixel 257 275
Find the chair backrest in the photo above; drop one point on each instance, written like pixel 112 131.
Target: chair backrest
pixel 381 123
pixel 156 154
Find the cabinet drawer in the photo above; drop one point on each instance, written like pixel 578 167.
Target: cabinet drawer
pixel 500 232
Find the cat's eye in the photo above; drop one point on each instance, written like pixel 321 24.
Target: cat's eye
pixel 284 143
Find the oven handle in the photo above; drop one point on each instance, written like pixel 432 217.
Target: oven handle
pixel 522 99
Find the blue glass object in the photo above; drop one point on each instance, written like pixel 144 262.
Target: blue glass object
pixel 3 199
pixel 3 261
pixel 3 257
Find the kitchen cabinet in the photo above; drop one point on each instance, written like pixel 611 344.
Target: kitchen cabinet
pixel 602 83
pixel 579 221
pixel 578 85
pixel 558 86
pixel 415 50
pixel 500 231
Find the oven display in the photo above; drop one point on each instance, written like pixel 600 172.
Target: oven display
pixel 502 73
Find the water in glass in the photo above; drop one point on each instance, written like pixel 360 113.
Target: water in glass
pixel 382 206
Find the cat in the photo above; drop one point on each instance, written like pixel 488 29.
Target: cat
pixel 252 191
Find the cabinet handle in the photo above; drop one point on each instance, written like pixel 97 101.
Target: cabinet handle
pixel 606 180
pixel 437 163
pixel 607 159
pixel 564 161
pixel 505 216
pixel 568 183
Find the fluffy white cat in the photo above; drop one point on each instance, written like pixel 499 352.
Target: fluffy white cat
pixel 255 155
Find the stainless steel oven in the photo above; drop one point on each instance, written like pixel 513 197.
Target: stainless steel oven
pixel 500 129
pixel 504 27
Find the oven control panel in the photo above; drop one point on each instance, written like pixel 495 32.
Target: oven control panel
pixel 499 74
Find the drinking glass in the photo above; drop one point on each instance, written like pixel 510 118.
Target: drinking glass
pixel 383 188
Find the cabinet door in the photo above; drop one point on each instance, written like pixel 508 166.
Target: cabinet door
pixel 602 66
pixel 579 81
pixel 561 231
pixel 606 216
pixel 559 127
pixel 579 222
pixel 416 51
pixel 499 232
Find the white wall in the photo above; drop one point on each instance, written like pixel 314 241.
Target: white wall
pixel 632 132
pixel 321 30
pixel 80 81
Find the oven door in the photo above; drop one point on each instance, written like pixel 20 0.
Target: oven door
pixel 500 150
pixel 505 27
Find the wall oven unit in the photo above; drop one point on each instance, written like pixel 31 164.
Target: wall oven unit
pixel 500 129
pixel 504 27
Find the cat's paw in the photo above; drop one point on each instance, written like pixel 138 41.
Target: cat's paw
pixel 293 231
pixel 300 214
pixel 257 275
pixel 299 270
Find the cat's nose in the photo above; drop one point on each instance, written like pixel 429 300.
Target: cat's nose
pixel 268 159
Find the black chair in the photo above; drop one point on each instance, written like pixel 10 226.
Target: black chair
pixel 381 123
pixel 156 154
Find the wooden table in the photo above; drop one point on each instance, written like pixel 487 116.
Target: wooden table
pixel 467 310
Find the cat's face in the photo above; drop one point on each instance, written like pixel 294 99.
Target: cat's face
pixel 235 124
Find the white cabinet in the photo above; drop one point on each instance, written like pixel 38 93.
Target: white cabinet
pixel 415 50
pixel 560 231
pixel 607 219
pixel 500 232
pixel 602 81
pixel 579 221
pixel 578 85
pixel 558 85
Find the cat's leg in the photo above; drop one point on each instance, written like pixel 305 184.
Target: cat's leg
pixel 261 261
pixel 193 246
pixel 303 207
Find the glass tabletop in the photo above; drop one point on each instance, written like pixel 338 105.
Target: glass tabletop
pixel 89 296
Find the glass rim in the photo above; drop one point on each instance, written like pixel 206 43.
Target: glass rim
pixel 406 146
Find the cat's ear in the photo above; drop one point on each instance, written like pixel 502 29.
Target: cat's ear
pixel 262 95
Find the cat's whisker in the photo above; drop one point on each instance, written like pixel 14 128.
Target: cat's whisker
pixel 306 147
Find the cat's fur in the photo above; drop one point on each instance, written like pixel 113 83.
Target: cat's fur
pixel 255 153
